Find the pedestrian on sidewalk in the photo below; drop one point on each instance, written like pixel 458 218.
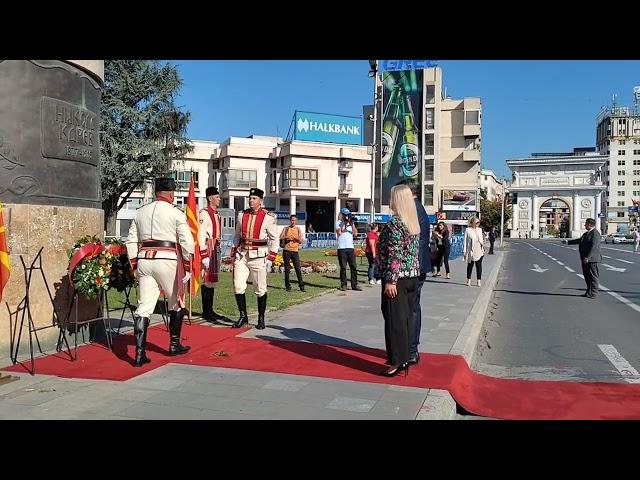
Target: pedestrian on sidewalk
pixel 444 249
pixel 371 249
pixel 492 239
pixel 345 230
pixel 399 266
pixel 590 256
pixel 473 250
pixel 291 237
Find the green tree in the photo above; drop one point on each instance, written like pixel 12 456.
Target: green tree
pixel 490 213
pixel 142 130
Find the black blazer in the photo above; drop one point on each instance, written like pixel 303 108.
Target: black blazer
pixel 589 246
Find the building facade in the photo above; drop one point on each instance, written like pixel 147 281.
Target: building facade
pixel 618 136
pixel 493 187
pixel 555 194
pixel 312 180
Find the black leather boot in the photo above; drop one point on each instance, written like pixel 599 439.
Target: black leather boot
pixel 175 327
pixel 217 317
pixel 207 304
pixel 242 307
pixel 140 326
pixel 262 308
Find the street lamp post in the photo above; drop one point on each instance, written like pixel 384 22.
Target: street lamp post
pixel 505 195
pixel 373 72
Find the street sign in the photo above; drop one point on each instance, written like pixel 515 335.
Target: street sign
pixel 602 215
pixel 633 210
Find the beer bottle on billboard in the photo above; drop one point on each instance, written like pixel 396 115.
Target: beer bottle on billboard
pixel 390 129
pixel 409 153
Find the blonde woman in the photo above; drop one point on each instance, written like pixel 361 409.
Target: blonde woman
pixel 473 249
pixel 399 267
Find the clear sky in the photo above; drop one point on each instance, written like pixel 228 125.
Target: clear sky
pixel 527 105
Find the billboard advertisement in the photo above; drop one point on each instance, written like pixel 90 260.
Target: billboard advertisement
pixel 460 200
pixel 401 136
pixel 322 127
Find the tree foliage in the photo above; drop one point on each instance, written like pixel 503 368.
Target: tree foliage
pixel 490 212
pixel 142 130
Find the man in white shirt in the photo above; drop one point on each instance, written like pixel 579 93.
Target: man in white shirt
pixel 345 230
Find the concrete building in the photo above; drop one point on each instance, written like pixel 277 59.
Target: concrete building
pixel 559 189
pixel 312 180
pixel 618 136
pixel 490 183
pixel 451 152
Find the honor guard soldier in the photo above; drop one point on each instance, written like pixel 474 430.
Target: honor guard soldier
pixel 209 237
pixel 160 245
pixel 255 247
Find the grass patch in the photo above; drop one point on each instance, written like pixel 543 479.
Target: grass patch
pixel 279 298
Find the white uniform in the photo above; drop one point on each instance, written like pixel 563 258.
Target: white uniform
pixel 256 240
pixel 151 246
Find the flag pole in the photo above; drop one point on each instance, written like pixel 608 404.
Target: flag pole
pixel 190 286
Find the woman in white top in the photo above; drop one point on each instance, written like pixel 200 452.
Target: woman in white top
pixel 473 249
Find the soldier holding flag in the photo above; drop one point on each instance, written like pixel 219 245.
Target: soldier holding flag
pixel 209 237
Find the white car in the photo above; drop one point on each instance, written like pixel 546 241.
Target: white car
pixel 616 238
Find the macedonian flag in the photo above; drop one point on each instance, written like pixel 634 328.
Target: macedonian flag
pixel 192 221
pixel 5 261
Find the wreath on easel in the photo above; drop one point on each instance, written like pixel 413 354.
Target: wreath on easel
pixel 96 266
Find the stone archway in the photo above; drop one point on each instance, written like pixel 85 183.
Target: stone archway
pixel 555 218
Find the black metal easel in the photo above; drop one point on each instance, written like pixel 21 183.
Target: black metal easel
pixel 24 307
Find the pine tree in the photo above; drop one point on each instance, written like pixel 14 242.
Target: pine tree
pixel 142 130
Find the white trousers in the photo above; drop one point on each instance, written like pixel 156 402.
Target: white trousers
pixel 242 267
pixel 154 275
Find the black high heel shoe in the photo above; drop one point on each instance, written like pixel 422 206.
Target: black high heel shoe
pixel 393 371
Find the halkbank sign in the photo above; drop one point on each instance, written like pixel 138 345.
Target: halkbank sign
pixel 322 127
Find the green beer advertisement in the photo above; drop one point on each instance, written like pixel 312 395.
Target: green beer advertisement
pixel 400 140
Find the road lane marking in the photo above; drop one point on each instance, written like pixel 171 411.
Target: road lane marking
pixel 570 269
pixel 627 371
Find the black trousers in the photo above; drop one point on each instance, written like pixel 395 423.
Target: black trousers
pixel 491 242
pixel 398 320
pixel 443 256
pixel 590 272
pixel 295 258
pixel 478 269
pixel 347 255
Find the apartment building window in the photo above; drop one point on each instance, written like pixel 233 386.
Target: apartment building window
pixel 428 195
pixel 431 94
pixel 621 162
pixel 241 179
pixel 636 183
pixel 636 193
pixel 636 172
pixel 622 142
pixel 636 162
pixel 620 214
pixel 636 141
pixel 429 144
pixel 273 163
pixel 620 204
pixel 300 178
pixel 472 117
pixel 428 169
pixel 620 172
pixel 621 193
pixel 181 201
pixel 621 183
pixel 636 152
pixel 430 119
pixel 134 203
pixel 622 152
pixel 183 178
pixel 215 164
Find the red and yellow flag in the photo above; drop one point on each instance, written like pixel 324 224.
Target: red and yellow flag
pixel 192 220
pixel 5 261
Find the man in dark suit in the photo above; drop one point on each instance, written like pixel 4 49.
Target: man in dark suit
pixel 590 256
pixel 425 266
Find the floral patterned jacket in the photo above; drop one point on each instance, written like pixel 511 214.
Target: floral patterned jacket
pixel 397 252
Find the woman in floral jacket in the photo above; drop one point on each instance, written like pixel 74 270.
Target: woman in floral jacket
pixel 399 267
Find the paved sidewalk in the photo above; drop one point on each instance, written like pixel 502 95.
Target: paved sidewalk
pixel 339 318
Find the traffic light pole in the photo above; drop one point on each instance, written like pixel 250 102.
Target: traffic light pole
pixel 374 70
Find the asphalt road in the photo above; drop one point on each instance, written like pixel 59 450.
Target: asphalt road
pixel 540 327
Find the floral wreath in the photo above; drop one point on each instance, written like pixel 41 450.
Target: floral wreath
pixel 94 266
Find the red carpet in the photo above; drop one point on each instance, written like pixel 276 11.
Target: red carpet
pixel 478 394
